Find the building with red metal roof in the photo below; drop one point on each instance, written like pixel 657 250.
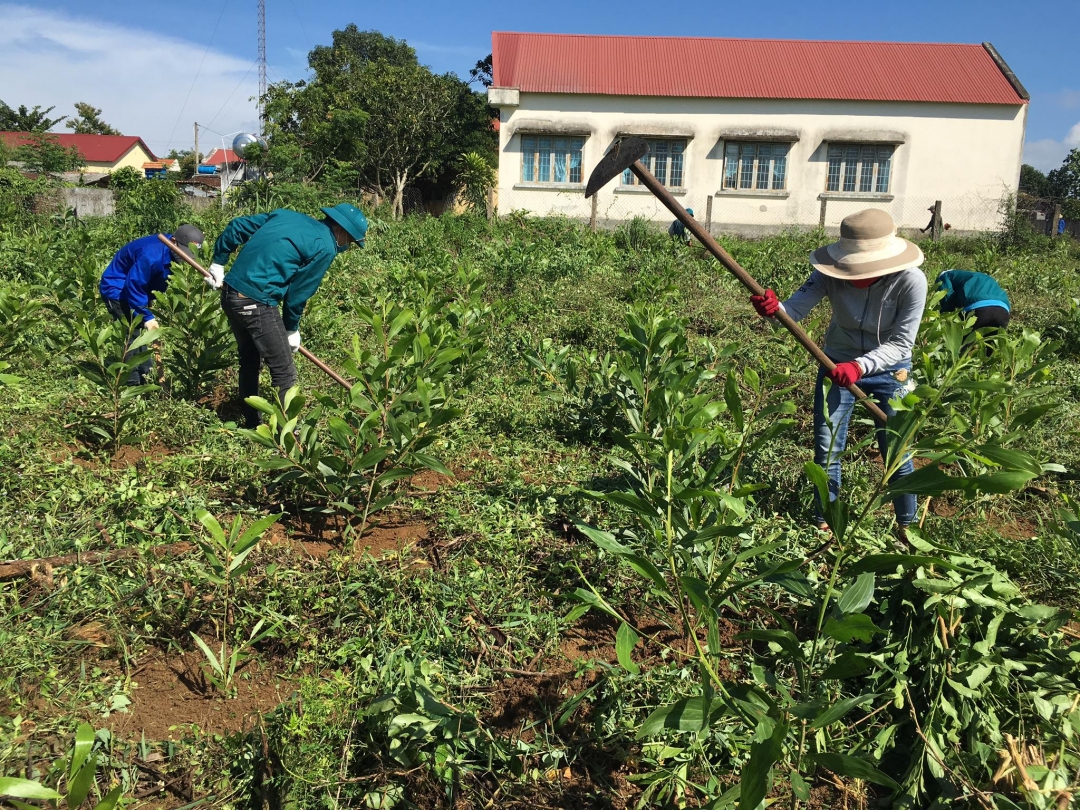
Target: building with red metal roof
pixel 103 153
pixel 757 135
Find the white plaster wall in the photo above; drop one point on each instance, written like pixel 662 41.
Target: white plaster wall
pixel 966 155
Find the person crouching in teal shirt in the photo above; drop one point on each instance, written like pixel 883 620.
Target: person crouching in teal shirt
pixel 284 258
pixel 975 294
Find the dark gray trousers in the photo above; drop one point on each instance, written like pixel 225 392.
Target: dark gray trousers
pixel 260 337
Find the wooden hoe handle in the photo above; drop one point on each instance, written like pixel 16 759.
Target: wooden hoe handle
pixel 725 258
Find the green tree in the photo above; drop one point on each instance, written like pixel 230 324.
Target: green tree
pixel 43 153
pixel 483 72
pixel 89 121
pixel 1065 180
pixel 1034 182
pixel 411 127
pixel 185 159
pixel 27 120
pixel 352 49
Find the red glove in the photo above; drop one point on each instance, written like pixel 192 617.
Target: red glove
pixel 766 305
pixel 845 374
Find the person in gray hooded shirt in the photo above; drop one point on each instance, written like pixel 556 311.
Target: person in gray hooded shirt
pixel 877 292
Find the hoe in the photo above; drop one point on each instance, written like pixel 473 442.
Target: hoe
pixel 206 273
pixel 627 154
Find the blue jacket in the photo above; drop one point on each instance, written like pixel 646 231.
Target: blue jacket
pixel 968 290
pixel 285 256
pixel 138 269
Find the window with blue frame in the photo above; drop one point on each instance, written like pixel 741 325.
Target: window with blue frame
pixel 551 159
pixel 665 160
pixel 755 166
pixel 859 168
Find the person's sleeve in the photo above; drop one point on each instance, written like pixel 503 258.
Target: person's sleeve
pixel 237 233
pixel 302 286
pixel 944 283
pixel 140 282
pixel 806 297
pixel 909 312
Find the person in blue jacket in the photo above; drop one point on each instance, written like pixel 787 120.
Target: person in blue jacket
pixel 282 262
pixel 975 294
pixel 137 271
pixel 678 231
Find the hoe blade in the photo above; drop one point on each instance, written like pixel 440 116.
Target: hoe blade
pixel 620 158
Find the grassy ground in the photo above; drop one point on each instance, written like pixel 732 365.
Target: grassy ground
pixel 460 596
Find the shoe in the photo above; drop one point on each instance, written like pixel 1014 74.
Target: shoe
pixel 901 543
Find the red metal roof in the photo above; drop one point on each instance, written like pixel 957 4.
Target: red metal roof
pixel 700 67
pixel 219 157
pixel 93 148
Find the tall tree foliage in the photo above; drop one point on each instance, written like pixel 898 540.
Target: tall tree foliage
pixel 27 120
pixel 43 153
pixel 373 117
pixel 88 121
pixel 1065 180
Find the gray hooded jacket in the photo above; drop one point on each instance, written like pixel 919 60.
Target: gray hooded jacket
pixel 875 326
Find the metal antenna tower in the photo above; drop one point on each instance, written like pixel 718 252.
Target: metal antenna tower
pixel 262 56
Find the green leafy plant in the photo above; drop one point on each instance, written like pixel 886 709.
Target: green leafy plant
pixel 226 556
pixel 200 344
pixel 475 179
pixel 108 371
pixel 399 406
pixel 74 774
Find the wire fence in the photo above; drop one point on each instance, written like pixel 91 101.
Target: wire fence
pixel 759 214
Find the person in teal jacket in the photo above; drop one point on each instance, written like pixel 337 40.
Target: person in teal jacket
pixel 975 294
pixel 284 258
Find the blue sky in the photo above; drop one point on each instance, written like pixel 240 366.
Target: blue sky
pixel 155 67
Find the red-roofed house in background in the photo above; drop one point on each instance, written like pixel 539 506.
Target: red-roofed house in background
pixel 103 154
pixel 758 135
pixel 226 164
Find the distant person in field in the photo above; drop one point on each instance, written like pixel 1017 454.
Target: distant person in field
pixel 284 258
pixel 137 271
pixel 678 231
pixel 975 294
pixel 1061 226
pixel 872 280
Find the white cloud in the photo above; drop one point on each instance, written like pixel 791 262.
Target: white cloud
pixel 1046 154
pixel 138 78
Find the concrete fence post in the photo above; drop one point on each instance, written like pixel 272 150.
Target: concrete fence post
pixel 489 201
pixel 708 215
pixel 936 231
pixel 592 213
pixel 821 216
pixel 1054 220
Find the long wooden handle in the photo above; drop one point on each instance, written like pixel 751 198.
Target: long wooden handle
pixel 206 274
pixel 748 281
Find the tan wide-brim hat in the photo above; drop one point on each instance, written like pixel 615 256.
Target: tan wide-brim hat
pixel 868 248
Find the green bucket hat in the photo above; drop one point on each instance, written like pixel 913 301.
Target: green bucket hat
pixel 350 218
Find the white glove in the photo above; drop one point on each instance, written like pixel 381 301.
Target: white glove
pixel 151 324
pixel 217 276
pixel 294 340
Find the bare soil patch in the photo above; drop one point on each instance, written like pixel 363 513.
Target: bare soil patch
pixel 171 695
pixel 318 537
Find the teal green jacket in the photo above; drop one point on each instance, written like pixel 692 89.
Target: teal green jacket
pixel 967 290
pixel 285 256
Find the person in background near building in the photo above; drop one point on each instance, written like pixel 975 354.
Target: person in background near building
pixel 678 231
pixel 975 294
pixel 137 271
pixel 284 258
pixel 877 293
pixel 1061 225
pixel 930 224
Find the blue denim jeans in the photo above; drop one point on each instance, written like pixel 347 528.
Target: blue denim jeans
pixel 260 338
pixel 830 433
